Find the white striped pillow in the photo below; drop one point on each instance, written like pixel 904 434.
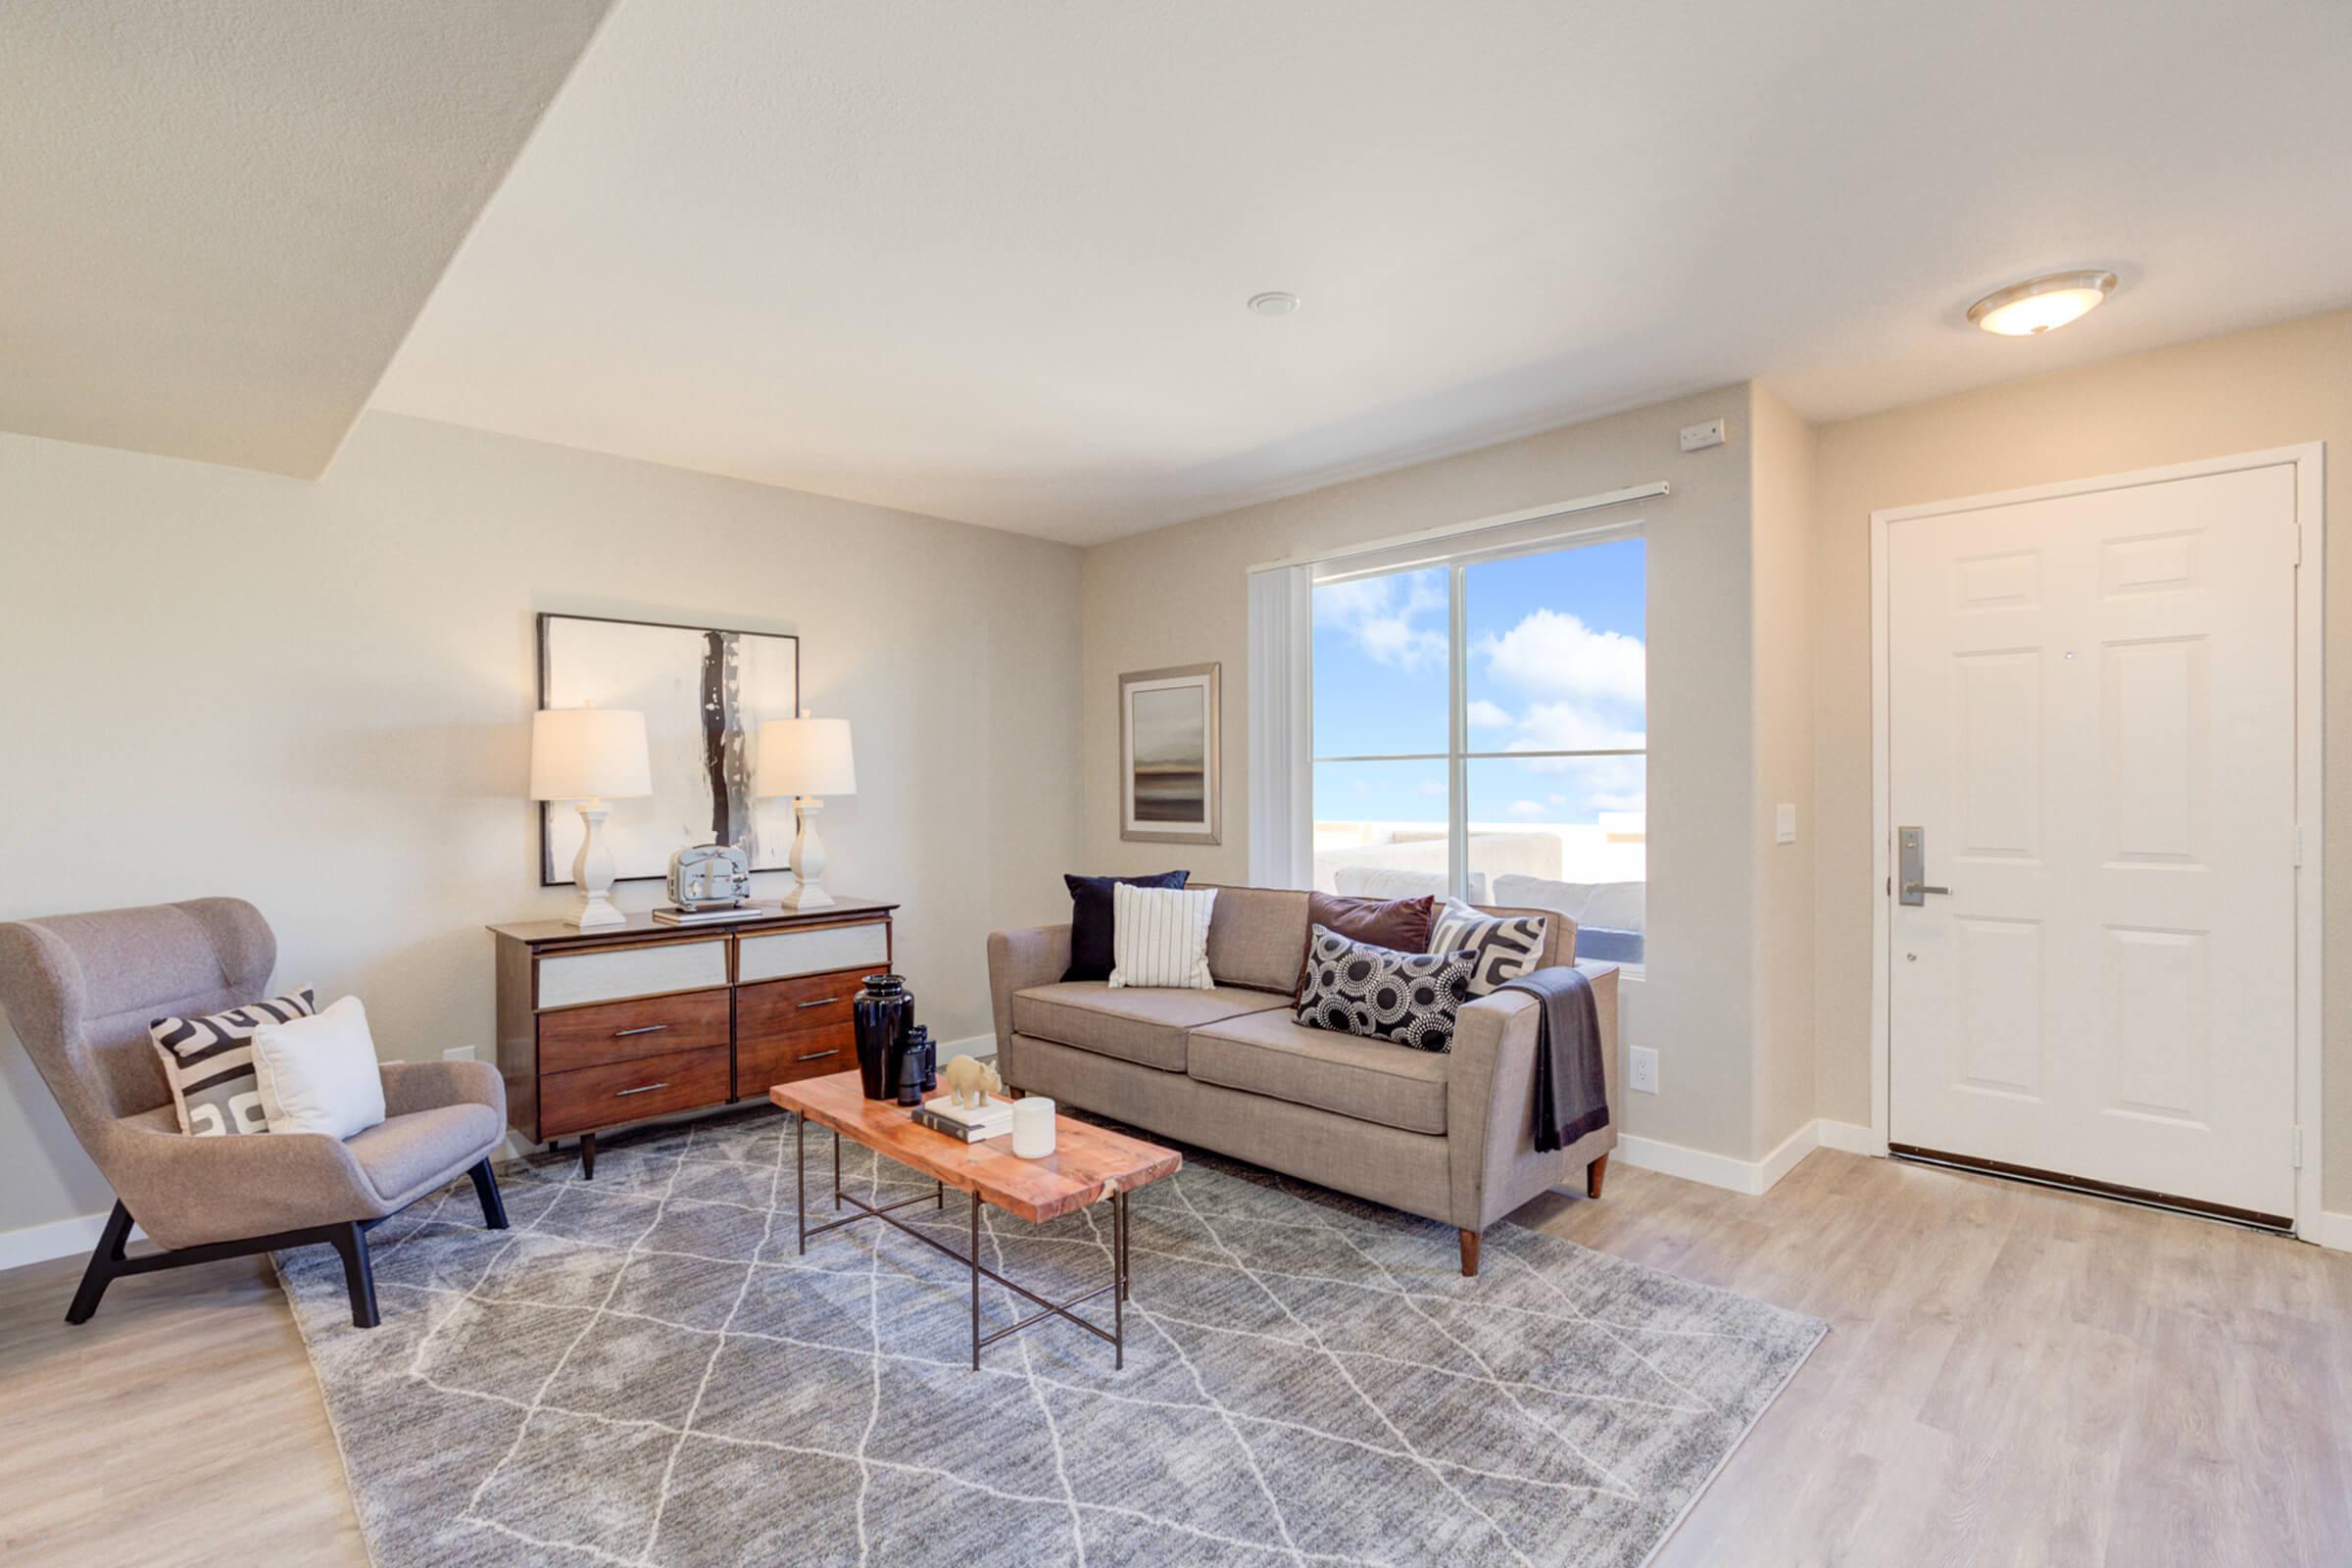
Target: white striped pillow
pixel 1159 936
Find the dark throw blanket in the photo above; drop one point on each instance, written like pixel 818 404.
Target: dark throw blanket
pixel 1571 1094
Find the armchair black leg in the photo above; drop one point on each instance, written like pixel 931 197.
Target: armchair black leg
pixel 358 1273
pixel 101 1271
pixel 485 1187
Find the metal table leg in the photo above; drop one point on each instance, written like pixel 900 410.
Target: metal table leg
pixel 1118 1272
pixel 975 1282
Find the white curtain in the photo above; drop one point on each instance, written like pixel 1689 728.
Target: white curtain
pixel 1282 726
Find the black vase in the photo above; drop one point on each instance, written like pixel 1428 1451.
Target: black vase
pixel 883 1012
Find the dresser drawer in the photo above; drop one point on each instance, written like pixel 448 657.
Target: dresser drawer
pixel 567 979
pixel 622 1031
pixel 782 1058
pixel 591 1097
pixel 772 956
pixel 781 1006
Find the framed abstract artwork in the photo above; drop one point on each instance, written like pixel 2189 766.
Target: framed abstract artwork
pixel 704 691
pixel 1169 785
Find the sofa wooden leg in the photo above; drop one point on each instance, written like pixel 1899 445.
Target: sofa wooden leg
pixel 1595 1174
pixel 1469 1254
pixel 101 1271
pixel 358 1273
pixel 485 1187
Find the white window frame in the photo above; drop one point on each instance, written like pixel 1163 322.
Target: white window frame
pixel 1458 757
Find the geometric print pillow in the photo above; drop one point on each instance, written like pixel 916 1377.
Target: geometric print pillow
pixel 209 1063
pixel 1409 998
pixel 1508 946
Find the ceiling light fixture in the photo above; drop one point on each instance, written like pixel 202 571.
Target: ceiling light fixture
pixel 2040 304
pixel 1274 302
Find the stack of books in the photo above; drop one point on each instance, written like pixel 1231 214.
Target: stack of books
pixel 943 1115
pixel 670 914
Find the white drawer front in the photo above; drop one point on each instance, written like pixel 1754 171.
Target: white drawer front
pixel 568 979
pixel 779 954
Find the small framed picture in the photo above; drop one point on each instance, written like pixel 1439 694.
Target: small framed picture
pixel 1169 784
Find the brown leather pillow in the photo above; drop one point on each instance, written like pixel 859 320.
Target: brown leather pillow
pixel 1399 924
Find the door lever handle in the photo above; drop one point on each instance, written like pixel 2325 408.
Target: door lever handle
pixel 1910 888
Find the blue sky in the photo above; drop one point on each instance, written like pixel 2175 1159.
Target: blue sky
pixel 1556 648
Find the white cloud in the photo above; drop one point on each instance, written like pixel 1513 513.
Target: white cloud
pixel 1483 715
pixel 1573 727
pixel 1384 616
pixel 1524 811
pixel 1554 653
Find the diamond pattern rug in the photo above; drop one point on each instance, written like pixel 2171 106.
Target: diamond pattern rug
pixel 643 1372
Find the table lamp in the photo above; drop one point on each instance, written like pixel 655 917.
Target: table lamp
pixel 590 754
pixel 807 758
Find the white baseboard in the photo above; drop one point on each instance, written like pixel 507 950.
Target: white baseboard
pixel 1848 1138
pixel 1753 1176
pixel 59 1237
pixel 968 1046
pixel 2334 1231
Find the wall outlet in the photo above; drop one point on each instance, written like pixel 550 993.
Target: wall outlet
pixel 1645 1069
pixel 461 1054
pixel 1784 828
pixel 1699 437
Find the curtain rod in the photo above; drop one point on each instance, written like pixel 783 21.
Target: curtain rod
pixel 1559 508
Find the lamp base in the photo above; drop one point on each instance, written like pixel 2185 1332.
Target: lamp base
pixel 591 909
pixel 808 858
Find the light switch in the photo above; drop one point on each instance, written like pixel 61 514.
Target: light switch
pixel 1783 830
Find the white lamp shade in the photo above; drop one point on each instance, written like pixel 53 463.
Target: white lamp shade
pixel 580 754
pixel 805 757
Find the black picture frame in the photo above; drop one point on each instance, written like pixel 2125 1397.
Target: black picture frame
pixel 548 871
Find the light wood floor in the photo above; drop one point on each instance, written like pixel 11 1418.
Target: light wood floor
pixel 2011 1376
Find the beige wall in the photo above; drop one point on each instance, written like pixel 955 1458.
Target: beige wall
pixel 2245 392
pixel 1177 596
pixel 317 696
pixel 1782 451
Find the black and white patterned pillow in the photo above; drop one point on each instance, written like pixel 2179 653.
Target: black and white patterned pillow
pixel 1508 946
pixel 209 1063
pixel 1409 998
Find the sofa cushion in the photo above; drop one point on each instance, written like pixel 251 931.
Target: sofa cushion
pixel 398 1153
pixel 1400 925
pixel 1273 1053
pixel 1145 1027
pixel 1258 938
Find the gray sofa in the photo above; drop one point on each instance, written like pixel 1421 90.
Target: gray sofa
pixel 1450 1137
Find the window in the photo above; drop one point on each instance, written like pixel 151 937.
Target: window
pixel 1480 730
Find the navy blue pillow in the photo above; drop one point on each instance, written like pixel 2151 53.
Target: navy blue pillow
pixel 1090 920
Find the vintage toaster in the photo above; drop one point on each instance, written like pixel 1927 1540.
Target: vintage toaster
pixel 709 877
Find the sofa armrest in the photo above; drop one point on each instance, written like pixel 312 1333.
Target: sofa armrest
pixel 413 1086
pixel 1018 959
pixel 186 1190
pixel 1493 1163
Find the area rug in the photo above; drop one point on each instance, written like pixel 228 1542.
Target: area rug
pixel 643 1372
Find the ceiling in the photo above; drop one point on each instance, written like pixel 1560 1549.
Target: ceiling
pixel 989 260
pixel 218 218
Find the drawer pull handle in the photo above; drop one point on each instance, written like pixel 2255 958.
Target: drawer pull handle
pixel 642 1088
pixel 818 1056
pixel 641 1029
pixel 821 1002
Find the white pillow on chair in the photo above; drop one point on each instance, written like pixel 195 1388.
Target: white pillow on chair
pixel 1159 937
pixel 318 1074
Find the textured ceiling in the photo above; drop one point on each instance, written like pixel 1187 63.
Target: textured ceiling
pixel 218 218
pixel 987 261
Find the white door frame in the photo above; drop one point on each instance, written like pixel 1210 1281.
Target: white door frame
pixel 2308 461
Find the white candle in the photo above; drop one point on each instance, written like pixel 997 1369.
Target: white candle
pixel 1033 1127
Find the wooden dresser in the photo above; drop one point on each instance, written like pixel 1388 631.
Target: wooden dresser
pixel 604 1027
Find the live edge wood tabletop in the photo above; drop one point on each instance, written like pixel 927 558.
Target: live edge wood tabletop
pixel 616 1024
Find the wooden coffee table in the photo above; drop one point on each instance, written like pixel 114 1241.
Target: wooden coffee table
pixel 1088 1164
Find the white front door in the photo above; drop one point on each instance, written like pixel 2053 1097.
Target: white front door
pixel 2091 724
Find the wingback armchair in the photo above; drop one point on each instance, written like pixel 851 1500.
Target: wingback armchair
pixel 81 989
